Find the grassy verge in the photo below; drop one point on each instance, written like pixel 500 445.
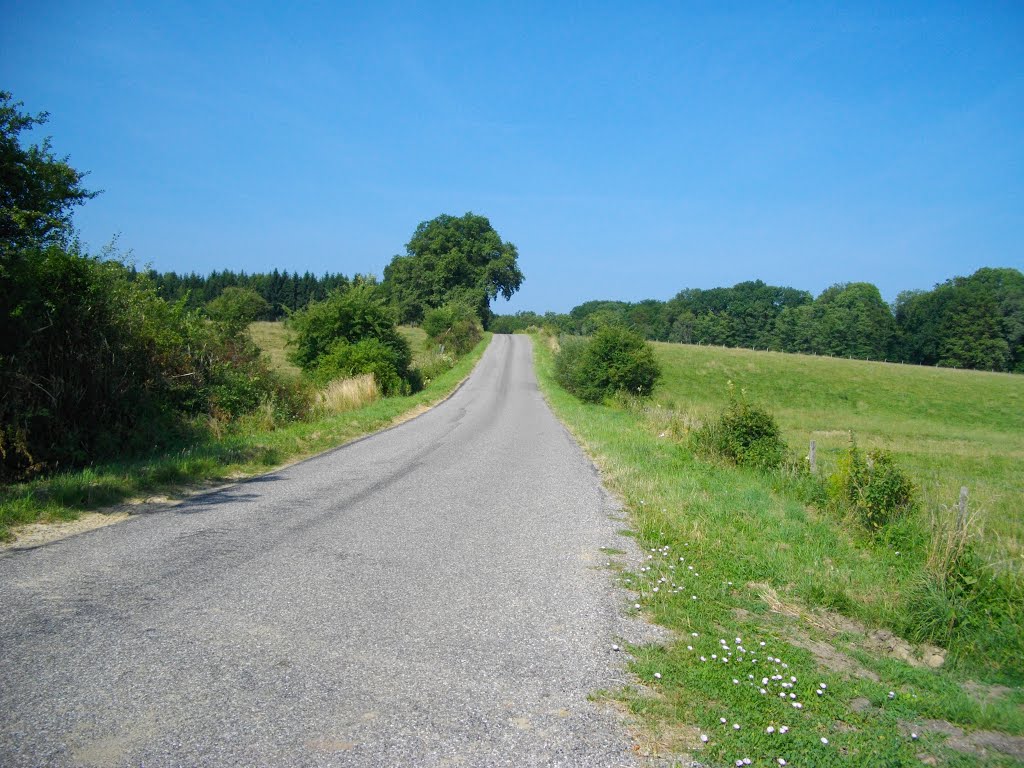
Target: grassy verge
pixel 247 451
pixel 756 582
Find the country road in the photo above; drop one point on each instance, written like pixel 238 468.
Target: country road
pixel 432 595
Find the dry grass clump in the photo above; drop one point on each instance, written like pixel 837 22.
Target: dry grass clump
pixel 951 541
pixel 343 395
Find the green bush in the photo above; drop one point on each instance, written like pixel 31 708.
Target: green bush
pixel 614 360
pixel 455 326
pixel 96 364
pixel 329 335
pixel 236 307
pixel 569 362
pixel 346 359
pixel 872 486
pixel 744 434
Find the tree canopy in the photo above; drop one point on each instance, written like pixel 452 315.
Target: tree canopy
pixel 966 322
pixel 448 259
pixel 38 190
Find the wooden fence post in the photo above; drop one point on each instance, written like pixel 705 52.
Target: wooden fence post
pixel 812 457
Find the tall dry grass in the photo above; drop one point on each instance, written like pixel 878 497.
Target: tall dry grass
pixel 348 394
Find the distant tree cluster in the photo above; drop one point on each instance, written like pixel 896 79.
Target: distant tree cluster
pixel 966 322
pixel 282 291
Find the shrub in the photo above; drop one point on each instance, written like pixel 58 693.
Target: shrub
pixel 83 360
pixel 974 610
pixel 744 434
pixel 346 359
pixel 569 362
pixel 351 332
pixel 455 326
pixel 872 486
pixel 433 363
pixel 235 308
pixel 614 360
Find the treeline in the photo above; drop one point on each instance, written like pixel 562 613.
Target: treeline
pixel 966 322
pixel 283 291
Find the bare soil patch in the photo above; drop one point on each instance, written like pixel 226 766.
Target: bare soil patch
pixel 37 534
pixel 979 743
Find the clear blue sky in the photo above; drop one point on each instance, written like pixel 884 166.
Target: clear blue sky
pixel 629 150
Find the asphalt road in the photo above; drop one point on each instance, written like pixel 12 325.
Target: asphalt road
pixel 432 595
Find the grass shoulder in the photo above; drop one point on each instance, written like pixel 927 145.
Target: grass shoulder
pixel 249 450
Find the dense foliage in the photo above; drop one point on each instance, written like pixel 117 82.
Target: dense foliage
pixel 966 322
pixel 872 486
pixel 613 360
pixel 93 362
pixel 236 308
pixel 38 190
pixel 352 332
pixel 450 258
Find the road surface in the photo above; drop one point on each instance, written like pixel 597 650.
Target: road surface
pixel 432 595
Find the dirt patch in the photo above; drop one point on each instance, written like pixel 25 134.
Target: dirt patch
pixel 832 658
pixel 36 534
pixel 985 694
pixel 979 743
pixel 409 415
pixel 879 642
pixel 657 744
pixel 860 704
pixel 882 642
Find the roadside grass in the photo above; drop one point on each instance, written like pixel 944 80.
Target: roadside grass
pixel 756 584
pixel 247 449
pixel 342 395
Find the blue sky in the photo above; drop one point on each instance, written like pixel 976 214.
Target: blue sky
pixel 628 150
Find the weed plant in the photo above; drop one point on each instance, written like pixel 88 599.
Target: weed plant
pixel 873 487
pixel 343 395
pixel 744 434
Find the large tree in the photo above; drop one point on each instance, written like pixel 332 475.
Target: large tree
pixel 448 259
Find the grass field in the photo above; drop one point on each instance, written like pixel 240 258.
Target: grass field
pixel 776 602
pixel 272 339
pixel 948 428
pixel 249 448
